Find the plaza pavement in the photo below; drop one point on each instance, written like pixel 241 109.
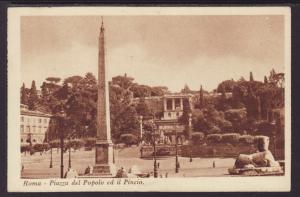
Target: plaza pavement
pixel 37 166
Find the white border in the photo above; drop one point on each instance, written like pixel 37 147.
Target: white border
pixel 15 184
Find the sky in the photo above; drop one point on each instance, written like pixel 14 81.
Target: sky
pixel 155 50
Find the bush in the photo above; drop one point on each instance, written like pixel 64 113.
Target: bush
pixel 89 142
pixel 246 139
pixel 231 138
pixel 75 144
pixel 129 139
pixel 213 138
pixel 46 146
pixel 198 138
pixel 54 143
pixel 25 148
pixel 214 130
pixel 38 147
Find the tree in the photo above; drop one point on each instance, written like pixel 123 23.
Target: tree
pixel 265 80
pixel 24 96
pixel 226 86
pixel 142 108
pixel 33 97
pixel 251 77
pixel 186 89
pixel 201 98
pixel 53 79
pixel 184 118
pixel 123 81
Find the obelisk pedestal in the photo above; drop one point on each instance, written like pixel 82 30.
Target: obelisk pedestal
pixel 104 166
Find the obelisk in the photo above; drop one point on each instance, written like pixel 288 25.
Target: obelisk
pixel 104 147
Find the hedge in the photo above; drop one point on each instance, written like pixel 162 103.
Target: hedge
pixel 213 138
pixel 40 147
pixel 246 139
pixel 75 144
pixel 89 142
pixel 198 137
pixel 55 143
pixel 25 148
pixel 129 139
pixel 231 138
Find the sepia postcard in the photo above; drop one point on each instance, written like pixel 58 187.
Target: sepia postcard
pixel 149 99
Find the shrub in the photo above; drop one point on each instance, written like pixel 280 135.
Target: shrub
pixel 38 147
pixel 46 146
pixel 75 144
pixel 198 137
pixel 214 130
pixel 213 138
pixel 129 139
pixel 246 139
pixel 25 148
pixel 54 143
pixel 89 142
pixel 231 138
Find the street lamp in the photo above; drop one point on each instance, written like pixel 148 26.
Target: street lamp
pixel 113 153
pixel 176 150
pixel 141 127
pixel 273 123
pixel 155 163
pixel 154 147
pixel 70 153
pixel 190 136
pixel 51 165
pixel 61 117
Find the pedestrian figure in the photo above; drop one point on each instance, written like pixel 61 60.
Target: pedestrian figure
pixel 166 175
pixel 214 164
pixel 157 164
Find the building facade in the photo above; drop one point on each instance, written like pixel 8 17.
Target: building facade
pixel 34 125
pixel 169 128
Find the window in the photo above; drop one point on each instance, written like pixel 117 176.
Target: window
pixel 169 114
pixel 45 120
pixel 34 140
pixel 177 114
pixel 40 129
pixel 21 140
pixel 22 128
pixel 22 118
pixel 33 129
pixel 169 104
pixel 177 103
pixel 28 119
pixel 40 120
pixel 28 129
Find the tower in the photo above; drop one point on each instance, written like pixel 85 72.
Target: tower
pixel 104 147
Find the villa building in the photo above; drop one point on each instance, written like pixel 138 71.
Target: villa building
pixel 34 125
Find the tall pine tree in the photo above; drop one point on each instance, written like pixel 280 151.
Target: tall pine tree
pixel 33 97
pixel 201 99
pixel 24 96
pixel 251 77
pixel 265 80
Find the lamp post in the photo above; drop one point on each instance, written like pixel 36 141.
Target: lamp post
pixel 61 117
pixel 70 153
pixel 51 165
pixel 273 123
pixel 154 147
pixel 113 153
pixel 176 152
pixel 190 136
pixel 141 127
